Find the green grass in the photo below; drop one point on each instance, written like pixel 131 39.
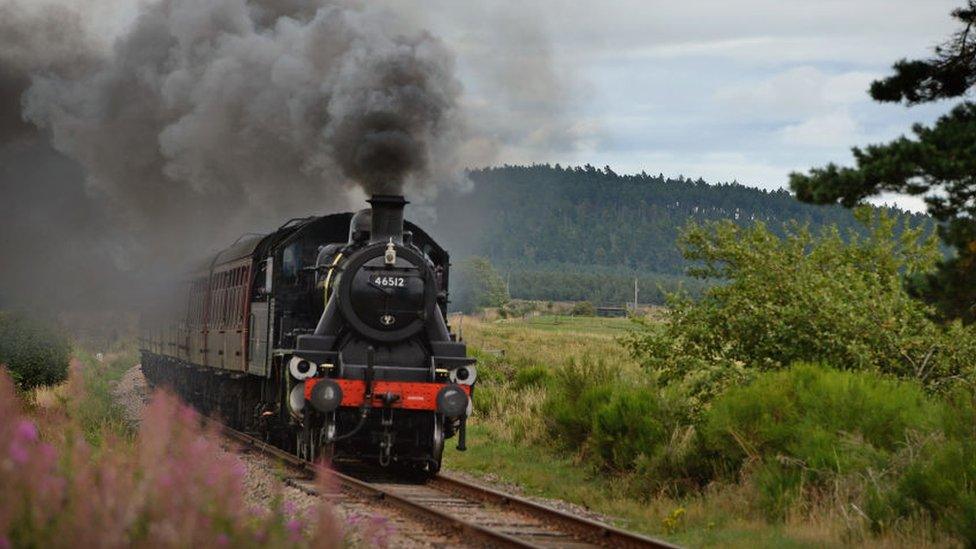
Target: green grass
pixel 510 440
pixel 712 521
pixel 95 408
pixel 588 325
pixel 549 341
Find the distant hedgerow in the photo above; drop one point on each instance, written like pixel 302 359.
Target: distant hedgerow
pixel 35 352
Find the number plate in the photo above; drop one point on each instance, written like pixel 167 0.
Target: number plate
pixel 389 281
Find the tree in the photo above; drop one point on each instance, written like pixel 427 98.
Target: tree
pixel 477 286
pixel 583 308
pixel 939 162
pixel 830 298
pixel 34 351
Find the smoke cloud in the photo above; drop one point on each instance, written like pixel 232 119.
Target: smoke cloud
pixel 203 120
pixel 41 39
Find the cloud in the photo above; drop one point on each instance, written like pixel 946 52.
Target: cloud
pixel 831 130
pixel 905 202
pixel 797 93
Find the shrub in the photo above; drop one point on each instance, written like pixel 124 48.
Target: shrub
pixel 35 352
pixel 578 390
pixel 583 308
pixel 618 423
pixel 800 297
pixel 810 425
pixel 629 424
pixel 570 419
pixel 827 419
pixel 532 376
pixel 175 487
pixel 940 480
pixel 477 285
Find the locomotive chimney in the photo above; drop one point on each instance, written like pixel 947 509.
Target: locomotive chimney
pixel 387 220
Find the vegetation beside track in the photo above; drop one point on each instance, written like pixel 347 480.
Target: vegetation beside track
pixel 807 401
pixel 74 471
pixel 34 351
pixel 514 439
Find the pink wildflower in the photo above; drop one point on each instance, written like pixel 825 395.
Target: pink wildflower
pixel 18 453
pixel 294 527
pixel 26 431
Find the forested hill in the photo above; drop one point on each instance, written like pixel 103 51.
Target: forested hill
pixel 551 228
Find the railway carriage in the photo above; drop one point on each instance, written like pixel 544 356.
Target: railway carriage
pixel 327 337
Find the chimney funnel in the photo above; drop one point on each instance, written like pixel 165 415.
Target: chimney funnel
pixel 387 219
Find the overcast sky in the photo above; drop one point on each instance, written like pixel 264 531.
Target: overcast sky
pixel 745 90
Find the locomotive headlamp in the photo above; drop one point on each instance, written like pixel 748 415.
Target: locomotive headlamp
pixel 296 398
pixel 301 369
pixel 326 396
pixel 452 401
pixel 465 375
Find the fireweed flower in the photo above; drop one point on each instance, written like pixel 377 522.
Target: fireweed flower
pixel 172 486
pixel 26 431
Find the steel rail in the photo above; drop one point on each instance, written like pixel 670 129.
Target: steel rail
pixel 468 530
pixel 585 530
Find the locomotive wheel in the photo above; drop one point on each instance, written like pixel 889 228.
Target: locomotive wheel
pixel 310 441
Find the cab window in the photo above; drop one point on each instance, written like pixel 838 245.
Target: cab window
pixel 291 263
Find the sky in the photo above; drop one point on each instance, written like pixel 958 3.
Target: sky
pixel 745 90
pixel 726 90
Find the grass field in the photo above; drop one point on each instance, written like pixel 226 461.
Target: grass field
pixel 546 340
pixel 578 325
pixel 508 440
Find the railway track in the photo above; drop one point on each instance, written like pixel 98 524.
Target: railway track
pixel 480 516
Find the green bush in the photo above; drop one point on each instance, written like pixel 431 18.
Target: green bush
pixel 827 419
pixel 620 425
pixel 583 308
pixel 532 376
pixel 631 423
pixel 810 425
pixel 570 419
pixel 826 298
pixel 578 390
pixel 35 352
pixel 477 285
pixel 941 479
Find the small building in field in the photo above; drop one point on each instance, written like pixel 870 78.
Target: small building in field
pixel 611 311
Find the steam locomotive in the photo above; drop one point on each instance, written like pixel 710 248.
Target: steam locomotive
pixel 327 337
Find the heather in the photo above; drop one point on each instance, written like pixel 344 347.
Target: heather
pixel 169 484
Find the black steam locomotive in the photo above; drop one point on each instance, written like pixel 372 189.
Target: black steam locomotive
pixel 327 337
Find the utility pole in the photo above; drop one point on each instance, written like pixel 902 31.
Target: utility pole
pixel 636 291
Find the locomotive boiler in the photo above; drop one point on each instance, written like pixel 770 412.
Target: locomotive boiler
pixel 327 337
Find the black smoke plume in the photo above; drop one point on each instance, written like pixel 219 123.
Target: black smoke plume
pixel 205 119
